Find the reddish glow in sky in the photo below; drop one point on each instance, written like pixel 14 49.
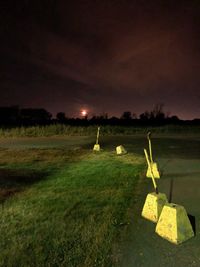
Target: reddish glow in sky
pixel 84 113
pixel 108 56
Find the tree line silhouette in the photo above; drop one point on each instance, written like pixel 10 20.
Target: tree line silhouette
pixel 16 116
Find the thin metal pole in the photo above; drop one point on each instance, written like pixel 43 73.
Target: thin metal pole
pixel 150 167
pixel 150 149
pixel 97 140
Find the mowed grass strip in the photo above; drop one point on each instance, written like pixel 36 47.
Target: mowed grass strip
pixel 72 215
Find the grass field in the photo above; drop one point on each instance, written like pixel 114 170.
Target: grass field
pixel 64 207
pixel 67 130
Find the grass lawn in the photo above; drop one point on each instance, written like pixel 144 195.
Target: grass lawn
pixel 64 208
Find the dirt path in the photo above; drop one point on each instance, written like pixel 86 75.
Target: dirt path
pixel 68 142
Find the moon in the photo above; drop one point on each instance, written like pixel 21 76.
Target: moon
pixel 84 112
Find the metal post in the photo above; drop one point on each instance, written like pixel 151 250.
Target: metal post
pixel 151 171
pixel 97 140
pixel 150 149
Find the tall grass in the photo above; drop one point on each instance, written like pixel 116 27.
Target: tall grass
pixel 66 130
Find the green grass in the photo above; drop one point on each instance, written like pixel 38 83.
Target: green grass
pixel 66 130
pixel 64 208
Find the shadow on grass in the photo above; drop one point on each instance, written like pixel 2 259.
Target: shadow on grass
pixel 15 181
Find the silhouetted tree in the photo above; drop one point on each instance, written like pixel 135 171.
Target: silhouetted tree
pixel 174 119
pixel 61 117
pixel 114 121
pixel 34 116
pixel 13 116
pixel 134 116
pixel 126 115
pixel 157 112
pixel 9 115
pixel 145 116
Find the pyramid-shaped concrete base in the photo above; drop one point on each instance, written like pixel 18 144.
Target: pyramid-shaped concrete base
pixel 96 147
pixel 153 206
pixel 174 224
pixel 155 171
pixel 120 150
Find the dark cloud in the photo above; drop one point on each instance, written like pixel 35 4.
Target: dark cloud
pixel 108 56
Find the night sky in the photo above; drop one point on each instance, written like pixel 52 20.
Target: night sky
pixel 105 56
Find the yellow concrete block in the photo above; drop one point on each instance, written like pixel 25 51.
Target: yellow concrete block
pixel 120 150
pixel 174 224
pixel 96 147
pixel 155 171
pixel 153 206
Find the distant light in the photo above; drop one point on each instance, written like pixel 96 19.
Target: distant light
pixel 84 112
